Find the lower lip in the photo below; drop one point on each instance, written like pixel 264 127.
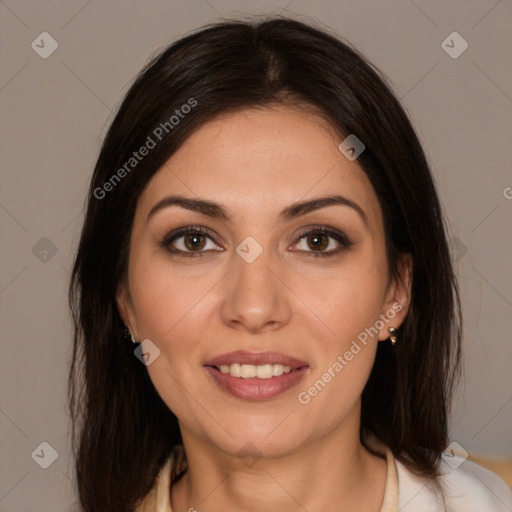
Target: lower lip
pixel 254 388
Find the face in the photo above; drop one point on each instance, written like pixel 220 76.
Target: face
pixel 310 285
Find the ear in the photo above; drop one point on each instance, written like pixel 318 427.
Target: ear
pixel 398 297
pixel 125 307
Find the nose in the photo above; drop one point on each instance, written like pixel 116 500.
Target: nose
pixel 255 295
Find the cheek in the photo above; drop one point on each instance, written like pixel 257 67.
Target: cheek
pixel 174 310
pixel 170 312
pixel 344 359
pixel 333 392
pixel 350 309
pixel 164 299
pixel 348 299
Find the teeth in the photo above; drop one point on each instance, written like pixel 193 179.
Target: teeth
pixel 249 371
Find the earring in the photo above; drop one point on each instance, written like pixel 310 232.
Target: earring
pixel 128 334
pixel 392 338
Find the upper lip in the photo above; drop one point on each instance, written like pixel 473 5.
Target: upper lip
pixel 255 358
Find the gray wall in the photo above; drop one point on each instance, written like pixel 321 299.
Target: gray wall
pixel 55 111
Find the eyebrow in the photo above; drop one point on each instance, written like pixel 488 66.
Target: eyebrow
pixel 217 211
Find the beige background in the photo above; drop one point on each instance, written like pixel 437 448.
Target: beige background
pixel 55 112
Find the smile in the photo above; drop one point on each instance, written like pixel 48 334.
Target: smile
pixel 255 375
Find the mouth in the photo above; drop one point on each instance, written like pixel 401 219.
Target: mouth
pixel 256 376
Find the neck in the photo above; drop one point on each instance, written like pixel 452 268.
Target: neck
pixel 331 474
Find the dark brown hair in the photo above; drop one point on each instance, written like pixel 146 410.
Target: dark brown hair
pixel 122 430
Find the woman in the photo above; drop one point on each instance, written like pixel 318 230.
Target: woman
pixel 263 225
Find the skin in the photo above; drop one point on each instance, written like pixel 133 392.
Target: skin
pixel 255 163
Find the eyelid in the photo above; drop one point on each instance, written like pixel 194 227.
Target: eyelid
pixel 186 230
pixel 326 230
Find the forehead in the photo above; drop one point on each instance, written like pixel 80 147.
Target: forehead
pixel 261 160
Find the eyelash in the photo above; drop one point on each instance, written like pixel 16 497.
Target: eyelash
pixel 341 238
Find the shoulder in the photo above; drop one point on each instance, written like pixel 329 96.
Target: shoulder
pixel 467 487
pixel 158 498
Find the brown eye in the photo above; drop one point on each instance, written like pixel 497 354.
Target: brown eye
pixel 189 242
pixel 322 242
pixel 194 241
pixel 318 242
